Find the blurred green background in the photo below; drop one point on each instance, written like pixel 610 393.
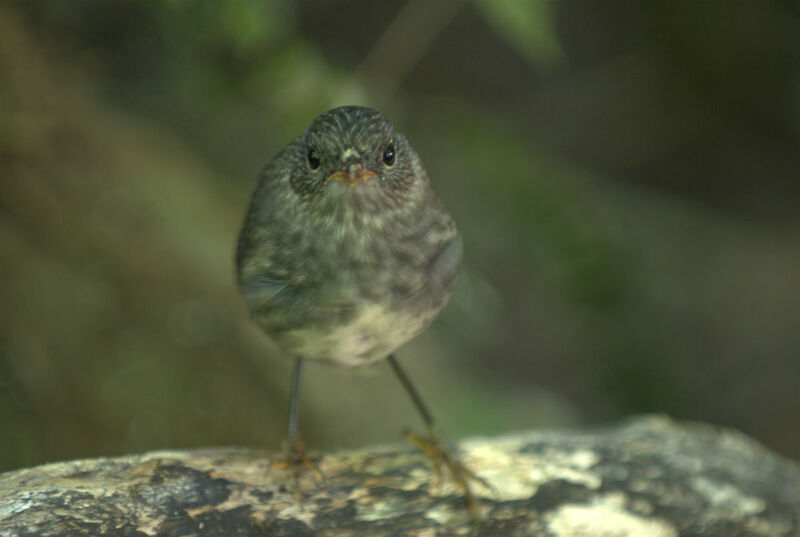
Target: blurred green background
pixel 625 175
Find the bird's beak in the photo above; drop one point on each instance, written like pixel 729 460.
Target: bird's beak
pixel 352 174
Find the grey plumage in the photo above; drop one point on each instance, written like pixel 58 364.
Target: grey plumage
pixel 346 270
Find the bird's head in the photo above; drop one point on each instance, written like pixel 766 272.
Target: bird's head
pixel 354 152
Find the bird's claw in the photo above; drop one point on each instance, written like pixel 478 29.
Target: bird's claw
pixel 438 455
pixel 297 460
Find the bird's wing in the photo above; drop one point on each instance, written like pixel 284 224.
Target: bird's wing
pixel 444 266
pixel 264 289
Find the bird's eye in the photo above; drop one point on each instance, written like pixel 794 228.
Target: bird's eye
pixel 313 159
pixel 389 156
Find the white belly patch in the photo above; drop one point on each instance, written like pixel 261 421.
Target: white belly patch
pixel 373 334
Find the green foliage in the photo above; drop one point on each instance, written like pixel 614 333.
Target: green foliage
pixel 529 25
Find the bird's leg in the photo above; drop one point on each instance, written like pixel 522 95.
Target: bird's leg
pixel 296 452
pixel 297 455
pixel 434 446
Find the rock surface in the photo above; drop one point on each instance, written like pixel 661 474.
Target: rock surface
pixel 645 477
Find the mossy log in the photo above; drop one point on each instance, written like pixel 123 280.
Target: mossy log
pixel 645 477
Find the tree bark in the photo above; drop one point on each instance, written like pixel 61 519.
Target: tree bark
pixel 648 476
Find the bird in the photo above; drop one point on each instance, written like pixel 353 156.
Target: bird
pixel 346 253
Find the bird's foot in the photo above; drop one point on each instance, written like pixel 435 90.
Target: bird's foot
pixel 297 461
pixel 438 454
